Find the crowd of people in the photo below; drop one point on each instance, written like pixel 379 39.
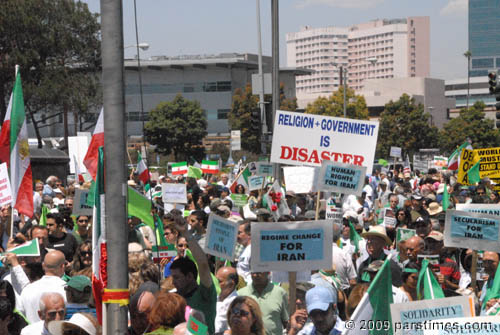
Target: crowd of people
pixel 52 293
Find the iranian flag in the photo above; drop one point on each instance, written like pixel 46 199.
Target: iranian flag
pixel 20 165
pixel 210 167
pixel 142 170
pixel 375 303
pixel 99 252
pixel 454 159
pixel 90 160
pixel 241 179
pixel 180 168
pixel 5 135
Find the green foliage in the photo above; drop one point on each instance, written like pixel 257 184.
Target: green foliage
pixel 404 124
pixel 469 124
pixel 56 43
pixel 334 105
pixel 240 117
pixel 177 127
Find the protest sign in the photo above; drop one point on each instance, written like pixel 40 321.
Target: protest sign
pixel 421 165
pixel 489 165
pixel 5 190
pixel 333 212
pixel 492 209
pixel 174 193
pixel 77 149
pixel 395 152
pixel 252 167
pixel 307 139
pixel 300 179
pixel 409 318
pixel 265 169
pixel 288 246
pixel 221 237
pixel 160 252
pixel 341 178
pixel 389 218
pixel 255 182
pixel 476 231
pixel 479 325
pixel 439 163
pixel 80 206
pixel 239 200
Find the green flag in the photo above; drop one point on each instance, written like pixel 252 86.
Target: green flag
pixel 445 203
pixel 473 174
pixel 43 216
pixel 428 284
pixel 30 248
pixel 383 162
pixel 354 237
pixel 140 207
pixel 194 172
pixel 160 234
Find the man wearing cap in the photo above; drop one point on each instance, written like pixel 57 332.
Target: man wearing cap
pixel 78 290
pixel 322 310
pixel 376 239
pixel 417 205
pixel 449 271
pixel 51 307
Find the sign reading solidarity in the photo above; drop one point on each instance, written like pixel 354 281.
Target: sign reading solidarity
pixel 341 178
pixel 476 231
pixel 307 139
pixel 285 246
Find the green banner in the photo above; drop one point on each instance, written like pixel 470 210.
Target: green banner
pixel 239 200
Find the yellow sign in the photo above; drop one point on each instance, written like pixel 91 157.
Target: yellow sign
pixel 489 166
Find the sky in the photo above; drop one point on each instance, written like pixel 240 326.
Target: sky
pixel 189 27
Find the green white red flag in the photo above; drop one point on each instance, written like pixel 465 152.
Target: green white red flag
pixel 20 165
pixel 179 168
pixel 242 179
pixel 90 160
pixel 210 167
pixel 142 170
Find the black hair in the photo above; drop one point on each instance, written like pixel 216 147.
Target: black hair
pixel 6 308
pixel 247 225
pixel 9 292
pixel 56 217
pixel 200 216
pixel 185 265
pixel 410 265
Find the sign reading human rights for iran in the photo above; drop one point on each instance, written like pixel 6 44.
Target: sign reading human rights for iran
pixel 341 178
pixel 307 139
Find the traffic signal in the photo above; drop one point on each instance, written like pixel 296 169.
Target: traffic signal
pixel 492 76
pixel 255 121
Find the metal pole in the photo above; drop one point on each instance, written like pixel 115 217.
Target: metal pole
pixel 468 79
pixel 115 158
pixel 276 56
pixel 344 73
pixel 261 77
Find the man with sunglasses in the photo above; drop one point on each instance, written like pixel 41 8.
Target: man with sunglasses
pixel 50 308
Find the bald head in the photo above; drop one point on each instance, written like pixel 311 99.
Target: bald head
pixel 180 329
pixel 414 247
pixel 53 263
pixel 228 280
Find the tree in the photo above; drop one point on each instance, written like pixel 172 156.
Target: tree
pixel 56 43
pixel 244 112
pixel 469 124
pixel 406 125
pixel 334 105
pixel 177 127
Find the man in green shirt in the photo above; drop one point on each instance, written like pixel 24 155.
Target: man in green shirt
pixel 272 300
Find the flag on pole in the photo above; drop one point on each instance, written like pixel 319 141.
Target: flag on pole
pixel 43 216
pixel 179 168
pixel 90 160
pixel 407 166
pixel 241 179
pixel 5 135
pixel 142 169
pixel 473 174
pixel 354 237
pixel 99 250
pixel 445 203
pixel 194 172
pixel 20 165
pixel 140 207
pixel 427 285
pixel 210 167
pixel 454 159
pixel 375 304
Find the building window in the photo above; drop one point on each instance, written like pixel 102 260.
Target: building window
pixel 222 114
pixel 482 63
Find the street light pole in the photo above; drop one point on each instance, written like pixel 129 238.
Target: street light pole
pixel 344 74
pixel 468 54
pixel 261 78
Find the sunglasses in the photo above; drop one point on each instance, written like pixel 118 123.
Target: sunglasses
pixel 83 220
pixel 86 253
pixel 53 314
pixel 239 312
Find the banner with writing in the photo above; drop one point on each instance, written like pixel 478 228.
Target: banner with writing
pixel 341 178
pixel 174 193
pixel 221 237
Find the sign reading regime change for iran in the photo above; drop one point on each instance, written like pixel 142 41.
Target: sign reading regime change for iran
pixel 341 178
pixel 307 139
pixel 288 246
pixel 477 231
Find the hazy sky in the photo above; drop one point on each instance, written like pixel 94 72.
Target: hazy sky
pixel 174 27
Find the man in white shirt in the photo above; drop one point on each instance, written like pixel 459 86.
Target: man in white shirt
pixel 244 238
pixel 53 265
pixel 51 307
pixel 342 262
pixel 228 280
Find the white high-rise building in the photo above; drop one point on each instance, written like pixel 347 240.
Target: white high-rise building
pixel 377 49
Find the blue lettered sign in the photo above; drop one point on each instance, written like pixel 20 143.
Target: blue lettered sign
pixel 221 237
pixel 341 178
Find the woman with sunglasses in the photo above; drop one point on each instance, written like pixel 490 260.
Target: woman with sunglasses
pixel 244 317
pixel 82 259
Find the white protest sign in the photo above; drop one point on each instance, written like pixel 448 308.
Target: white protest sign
pixel 288 246
pixel 478 325
pixel 410 318
pixel 221 237
pixel 476 231
pixel 265 169
pixel 77 148
pixel 341 178
pixel 255 182
pixel 300 179
pixel 307 139
pixel 80 206
pixel 395 152
pixel 389 218
pixel 5 190
pixel 333 212
pixel 492 209
pixel 174 193
pixel 252 167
